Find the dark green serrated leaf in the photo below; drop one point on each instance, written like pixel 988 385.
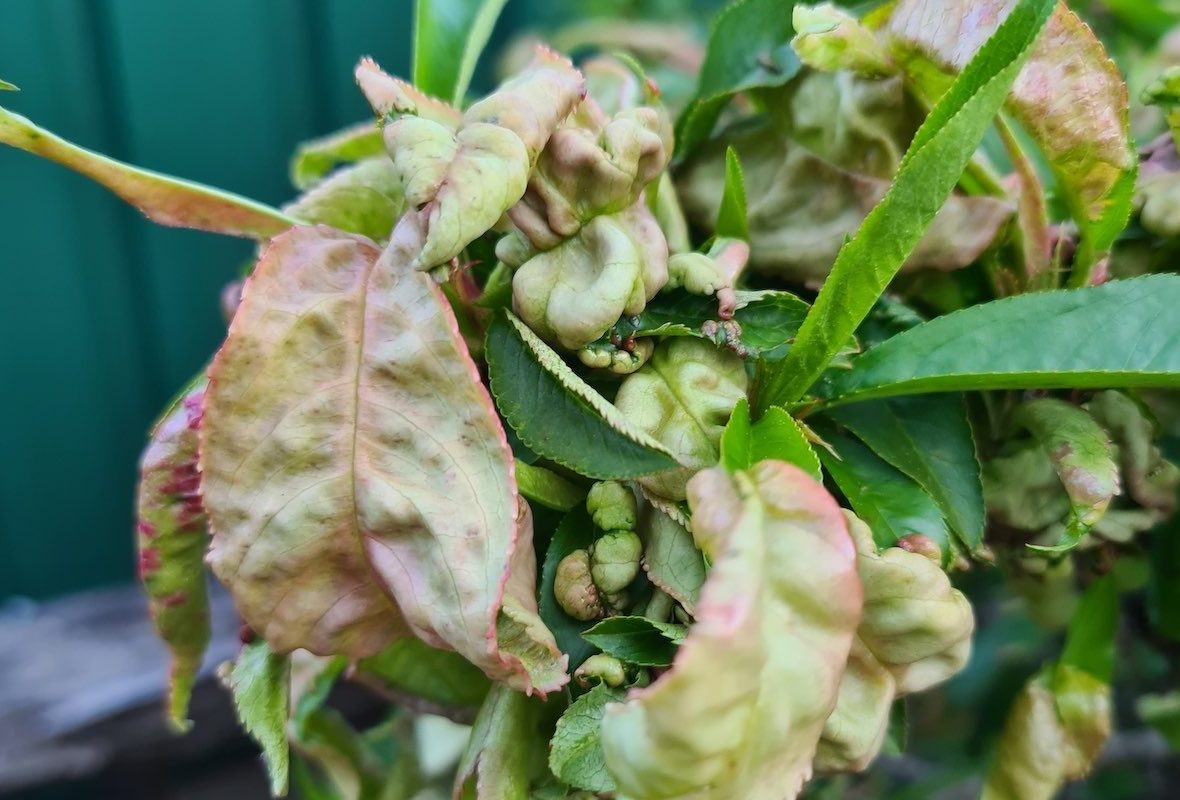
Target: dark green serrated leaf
pixel 576 532
pixel 732 221
pixel 637 640
pixel 439 676
pixel 890 503
pixel 449 36
pixel 930 440
pixel 558 415
pixel 1121 334
pixel 1089 643
pixel 928 173
pixel 260 682
pixel 547 488
pixel 775 436
pixel 575 754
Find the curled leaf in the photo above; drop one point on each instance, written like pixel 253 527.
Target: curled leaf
pixel 683 398
pixel 162 199
pixel 364 198
pixel 349 449
pixel 779 611
pixel 172 541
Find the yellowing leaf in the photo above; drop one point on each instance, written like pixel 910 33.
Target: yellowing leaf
pixel 742 708
pixel 358 483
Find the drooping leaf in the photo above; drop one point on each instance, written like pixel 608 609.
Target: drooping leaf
pixel 313 160
pixel 172 541
pixel 929 439
pixel 776 540
pixel 558 415
pixel 163 199
pixel 349 448
pixel 576 532
pixel 1069 96
pixel 260 683
pixel 439 676
pixel 892 504
pixel 547 488
pixel 505 741
pixel 364 198
pixel 731 218
pixel 929 172
pixel 749 47
pixel 775 436
pixel 1081 453
pixel 1117 334
pixel 575 753
pixel 637 640
pixel 448 38
pixel 671 558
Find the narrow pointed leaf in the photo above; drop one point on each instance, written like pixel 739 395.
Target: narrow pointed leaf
pixel 172 541
pixel 731 218
pixel 775 436
pixel 932 166
pixel 449 35
pixel 260 682
pixel 5 86
pixel 558 415
pixel 163 199
pixel 349 449
pixel 1122 334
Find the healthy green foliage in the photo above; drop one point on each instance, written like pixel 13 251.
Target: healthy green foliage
pixel 439 676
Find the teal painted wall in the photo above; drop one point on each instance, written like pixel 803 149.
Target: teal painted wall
pixel 102 314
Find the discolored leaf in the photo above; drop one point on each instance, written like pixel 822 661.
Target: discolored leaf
pixel 671 558
pixel 776 540
pixel 830 39
pixel 162 199
pixel 172 541
pixel 260 683
pixel 575 532
pixel 349 449
pixel 575 753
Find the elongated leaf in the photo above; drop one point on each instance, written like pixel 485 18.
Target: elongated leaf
pixel 576 532
pixel 575 754
pixel 440 676
pixel 172 541
pixel 162 199
pixel 547 488
pixel 671 558
pixel 929 172
pixel 349 449
pixel 775 436
pixel 930 440
pixel 637 640
pixel 731 218
pixel 449 35
pixel 260 681
pixel 890 502
pixel 1083 456
pixel 558 415
pixel 777 541
pixel 505 741
pixel 313 160
pixel 1120 334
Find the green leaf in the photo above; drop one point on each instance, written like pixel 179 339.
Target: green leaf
pixel 163 199
pixel 775 436
pixel 575 532
pixel 547 488
pixel 671 558
pixel 637 640
pixel 749 47
pixel 1089 643
pixel 260 682
pixel 558 415
pixel 1122 334
pixel 732 221
pixel 930 440
pixel 575 753
pixel 449 36
pixel 1082 455
pixel 505 742
pixel 931 168
pixel 410 665
pixel 314 159
pixel 890 503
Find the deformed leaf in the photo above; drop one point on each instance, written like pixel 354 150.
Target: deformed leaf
pixel 855 731
pixel 505 742
pixel 776 541
pixel 172 541
pixel 364 198
pixel 575 753
pixel 314 159
pixel 163 199
pixel 260 683
pixel 774 436
pixel 671 558
pixel 637 640
pixel 558 415
pixel 348 448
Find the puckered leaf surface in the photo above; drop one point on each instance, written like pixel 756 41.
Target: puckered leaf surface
pixel 357 480
pixel 778 611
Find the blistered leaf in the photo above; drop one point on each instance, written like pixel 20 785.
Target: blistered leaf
pixel 172 541
pixel 1069 96
pixel 714 273
pixel 573 293
pixel 349 448
pixel 505 742
pixel 260 683
pixel 828 38
pixel 575 753
pixel 1081 453
pixel 313 160
pixel 364 198
pixel 774 436
pixel 1149 477
pixel 612 506
pixel 683 398
pixel 671 558
pixel 778 544
pixel 163 199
